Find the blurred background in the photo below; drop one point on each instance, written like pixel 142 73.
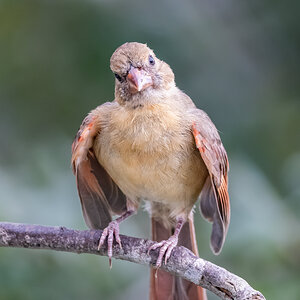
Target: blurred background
pixel 238 60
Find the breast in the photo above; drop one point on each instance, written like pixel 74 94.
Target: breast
pixel 150 154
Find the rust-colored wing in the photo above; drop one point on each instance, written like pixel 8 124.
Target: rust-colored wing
pixel 214 198
pixel 99 195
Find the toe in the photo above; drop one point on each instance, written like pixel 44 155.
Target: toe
pixel 165 251
pixel 118 241
pixel 168 253
pixel 161 254
pixel 117 237
pixel 110 232
pixel 110 240
pixel 102 239
pixel 155 246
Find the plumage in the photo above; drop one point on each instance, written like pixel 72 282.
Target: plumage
pixel 152 144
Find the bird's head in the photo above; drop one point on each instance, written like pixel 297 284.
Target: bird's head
pixel 140 75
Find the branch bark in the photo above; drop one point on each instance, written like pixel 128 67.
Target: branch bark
pixel 182 262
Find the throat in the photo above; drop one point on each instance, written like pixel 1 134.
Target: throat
pixel 144 98
pixel 147 127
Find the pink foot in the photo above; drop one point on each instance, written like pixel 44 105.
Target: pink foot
pixel 166 249
pixel 109 232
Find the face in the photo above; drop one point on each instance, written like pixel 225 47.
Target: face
pixel 138 71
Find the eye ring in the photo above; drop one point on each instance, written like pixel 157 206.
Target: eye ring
pixel 151 60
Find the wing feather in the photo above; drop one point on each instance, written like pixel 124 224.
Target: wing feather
pixel 100 197
pixel 214 198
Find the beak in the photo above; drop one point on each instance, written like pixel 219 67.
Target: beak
pixel 138 79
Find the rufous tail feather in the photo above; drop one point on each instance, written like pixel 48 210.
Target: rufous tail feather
pixel 164 286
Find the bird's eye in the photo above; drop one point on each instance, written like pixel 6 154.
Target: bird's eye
pixel 151 60
pixel 118 77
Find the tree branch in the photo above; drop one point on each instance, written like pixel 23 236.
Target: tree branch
pixel 182 262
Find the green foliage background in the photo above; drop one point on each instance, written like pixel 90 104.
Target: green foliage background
pixel 238 60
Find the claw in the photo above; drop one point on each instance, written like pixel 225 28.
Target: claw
pixel 109 232
pixel 166 249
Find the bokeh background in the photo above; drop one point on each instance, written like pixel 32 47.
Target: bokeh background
pixel 238 60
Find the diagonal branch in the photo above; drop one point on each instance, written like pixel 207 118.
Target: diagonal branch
pixel 182 262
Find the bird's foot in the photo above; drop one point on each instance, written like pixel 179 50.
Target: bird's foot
pixel 166 249
pixel 109 232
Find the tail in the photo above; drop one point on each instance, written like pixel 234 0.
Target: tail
pixel 164 286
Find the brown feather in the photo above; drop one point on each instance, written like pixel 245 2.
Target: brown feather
pixel 162 284
pixel 100 197
pixel 94 204
pixel 214 198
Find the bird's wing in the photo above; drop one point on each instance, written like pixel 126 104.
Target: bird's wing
pixel 214 198
pixel 100 197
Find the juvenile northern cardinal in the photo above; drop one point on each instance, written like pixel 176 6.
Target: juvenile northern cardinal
pixel 152 144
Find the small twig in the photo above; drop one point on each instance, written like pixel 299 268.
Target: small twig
pixel 182 262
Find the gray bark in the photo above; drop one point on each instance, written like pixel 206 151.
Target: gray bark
pixel 182 262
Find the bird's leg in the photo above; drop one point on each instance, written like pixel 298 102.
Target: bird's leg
pixel 168 245
pixel 111 230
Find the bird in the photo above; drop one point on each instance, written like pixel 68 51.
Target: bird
pixel 152 145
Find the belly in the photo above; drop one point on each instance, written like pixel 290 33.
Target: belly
pixel 173 176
